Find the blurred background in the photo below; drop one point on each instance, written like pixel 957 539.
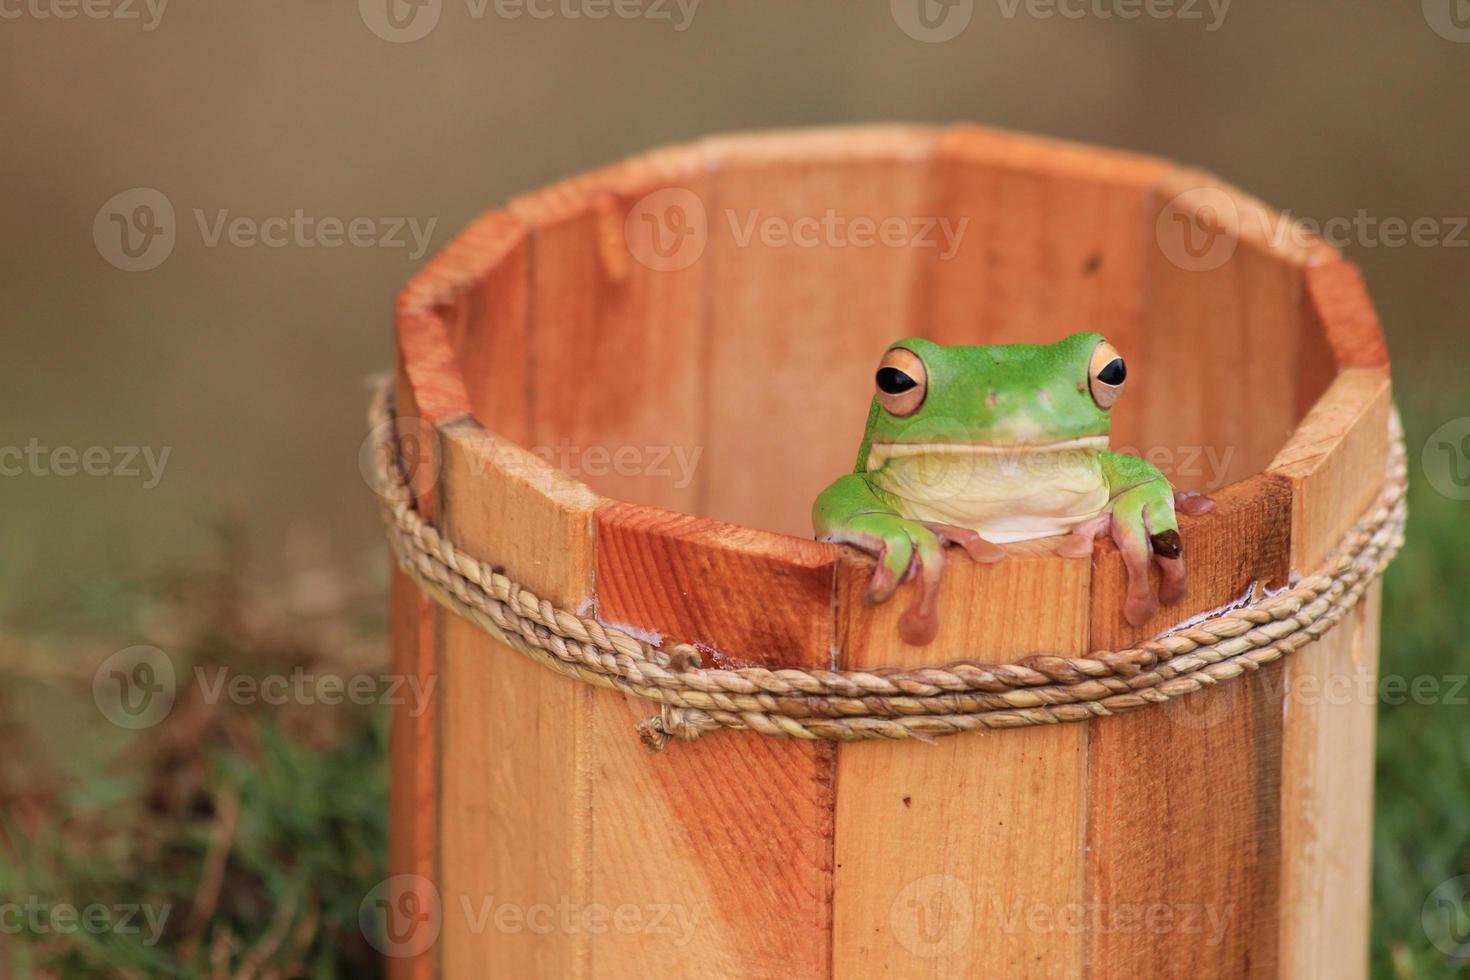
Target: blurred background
pixel 239 535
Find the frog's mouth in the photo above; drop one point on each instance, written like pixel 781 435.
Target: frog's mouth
pixel 881 452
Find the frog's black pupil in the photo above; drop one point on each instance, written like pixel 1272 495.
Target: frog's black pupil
pixel 892 381
pixel 1113 373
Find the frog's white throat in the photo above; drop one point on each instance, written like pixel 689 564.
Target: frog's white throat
pixel 880 453
pixel 1006 493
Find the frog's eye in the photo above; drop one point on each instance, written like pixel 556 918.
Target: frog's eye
pixel 902 382
pixel 1106 375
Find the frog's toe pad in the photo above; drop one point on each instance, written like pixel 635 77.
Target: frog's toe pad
pixel 1192 502
pixel 1139 609
pixel 918 627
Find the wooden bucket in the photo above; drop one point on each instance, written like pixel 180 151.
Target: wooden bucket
pixel 631 386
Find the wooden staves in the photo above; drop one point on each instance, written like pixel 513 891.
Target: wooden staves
pixel 632 384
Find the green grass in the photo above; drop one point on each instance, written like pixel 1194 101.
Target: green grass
pixel 249 832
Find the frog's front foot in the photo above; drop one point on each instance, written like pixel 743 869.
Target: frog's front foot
pixel 910 550
pixel 1145 528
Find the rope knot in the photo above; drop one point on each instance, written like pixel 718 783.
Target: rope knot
pixel 670 723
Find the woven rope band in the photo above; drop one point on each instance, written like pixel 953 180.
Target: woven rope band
pixel 887 703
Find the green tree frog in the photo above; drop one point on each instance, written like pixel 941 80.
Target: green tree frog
pixel 982 446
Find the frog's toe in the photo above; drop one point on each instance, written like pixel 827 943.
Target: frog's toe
pixel 1192 502
pixel 1171 579
pixel 918 626
pixel 1079 543
pixel 975 546
pixel 1139 608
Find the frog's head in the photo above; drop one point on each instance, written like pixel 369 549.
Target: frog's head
pixel 1011 398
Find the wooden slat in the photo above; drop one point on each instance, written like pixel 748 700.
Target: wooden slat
pixel 617 346
pixel 947 854
pixel 1014 279
pixel 490 329
pixel 1182 799
pixel 1233 329
pixel 734 831
pixel 796 332
pixel 515 823
pixel 1184 837
pixel 413 792
pixel 1333 462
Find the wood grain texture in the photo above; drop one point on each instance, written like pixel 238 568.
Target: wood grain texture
pixel 1013 279
pixel 413 832
pixel 617 346
pixel 801 319
pixel 1183 835
pixel 515 820
pixel 490 328
pixel 1331 690
pixel 1226 319
pixel 735 830
pixel 964 858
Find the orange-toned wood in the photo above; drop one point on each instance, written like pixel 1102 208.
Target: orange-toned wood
pixel 742 850
pixel 1013 279
pixel 1183 834
pixel 1331 686
pixel 426 387
pixel 949 855
pixel 802 315
pixel 490 329
pixel 617 344
pixel 515 820
pixel 1223 834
